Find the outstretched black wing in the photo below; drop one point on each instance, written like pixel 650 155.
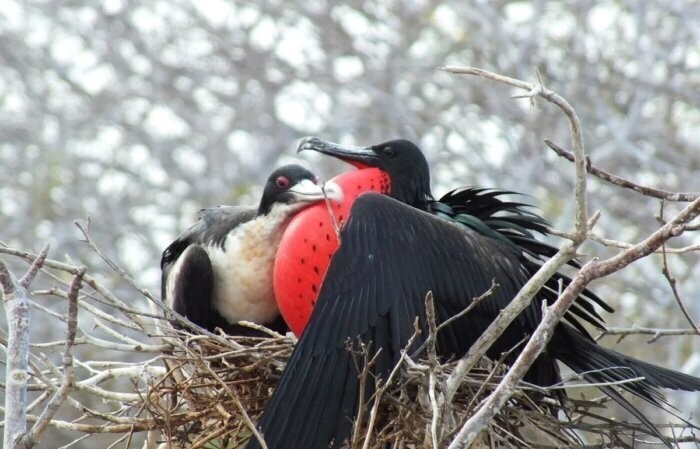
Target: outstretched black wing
pixel 390 257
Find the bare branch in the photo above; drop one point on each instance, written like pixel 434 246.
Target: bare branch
pixel 624 245
pixel 91 243
pixel 672 281
pixel 475 302
pixel 17 312
pixel 534 90
pixel 34 269
pixel 435 401
pixel 655 333
pixel 565 253
pixel 59 397
pixel 622 182
pixel 97 286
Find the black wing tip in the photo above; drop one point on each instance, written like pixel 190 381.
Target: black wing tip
pixel 172 252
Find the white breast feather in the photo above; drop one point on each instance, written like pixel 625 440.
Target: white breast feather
pixel 243 272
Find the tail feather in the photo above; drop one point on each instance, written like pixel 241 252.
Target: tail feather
pixel 605 365
pixel 634 411
pixel 601 365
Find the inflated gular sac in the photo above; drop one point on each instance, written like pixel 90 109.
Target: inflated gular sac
pixel 308 243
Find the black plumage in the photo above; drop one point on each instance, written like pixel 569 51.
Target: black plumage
pixel 392 254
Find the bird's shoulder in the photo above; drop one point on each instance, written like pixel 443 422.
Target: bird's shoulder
pixel 390 256
pixel 211 228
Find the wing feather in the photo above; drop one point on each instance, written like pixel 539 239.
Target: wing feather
pixel 391 255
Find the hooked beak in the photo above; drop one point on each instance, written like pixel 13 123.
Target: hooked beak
pixel 308 191
pixel 360 157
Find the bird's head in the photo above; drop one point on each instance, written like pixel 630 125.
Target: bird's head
pixel 295 187
pixel 401 159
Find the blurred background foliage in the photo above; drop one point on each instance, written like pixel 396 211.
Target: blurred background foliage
pixel 139 112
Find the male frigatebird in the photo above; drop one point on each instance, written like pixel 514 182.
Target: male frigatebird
pixel 394 250
pixel 401 171
pixel 219 271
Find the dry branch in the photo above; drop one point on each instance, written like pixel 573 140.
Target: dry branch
pixel 32 437
pixel 17 366
pixel 622 182
pixel 553 314
pixel 582 227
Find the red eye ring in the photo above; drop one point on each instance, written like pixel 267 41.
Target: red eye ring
pixel 282 182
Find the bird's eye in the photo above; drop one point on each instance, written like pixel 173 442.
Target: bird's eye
pixel 388 151
pixel 282 182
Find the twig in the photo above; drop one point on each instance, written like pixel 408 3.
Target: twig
pixel 434 367
pixel 124 275
pixel 624 245
pixel 34 268
pixel 534 90
pixel 260 328
pixel 382 388
pixel 327 201
pixel 475 302
pixel 244 414
pixel 88 308
pixel 655 333
pixel 364 377
pixel 622 182
pixel 32 437
pixel 98 287
pixel 672 281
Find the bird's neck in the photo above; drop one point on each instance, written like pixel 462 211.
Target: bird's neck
pixel 413 189
pixel 276 217
pixel 418 199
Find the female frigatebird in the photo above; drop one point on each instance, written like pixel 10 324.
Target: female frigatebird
pixel 396 248
pixel 219 271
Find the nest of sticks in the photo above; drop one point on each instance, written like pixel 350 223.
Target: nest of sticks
pixel 121 369
pixel 215 389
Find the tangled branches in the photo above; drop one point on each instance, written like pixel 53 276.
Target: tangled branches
pixel 196 390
